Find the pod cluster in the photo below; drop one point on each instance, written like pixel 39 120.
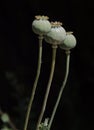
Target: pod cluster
pixel 53 32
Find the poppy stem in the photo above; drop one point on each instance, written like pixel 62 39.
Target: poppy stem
pixel 54 49
pixel 35 82
pixel 62 88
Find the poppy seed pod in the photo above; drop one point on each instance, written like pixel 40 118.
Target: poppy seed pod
pixel 41 25
pixel 69 42
pixel 56 34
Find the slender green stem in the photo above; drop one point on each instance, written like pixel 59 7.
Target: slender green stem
pixel 54 48
pixel 62 88
pixel 35 82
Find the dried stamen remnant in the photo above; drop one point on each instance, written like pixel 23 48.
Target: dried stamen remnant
pixel 56 24
pixel 38 17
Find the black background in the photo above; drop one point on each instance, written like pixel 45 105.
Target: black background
pixel 18 57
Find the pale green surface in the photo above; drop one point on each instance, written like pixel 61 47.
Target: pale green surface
pixel 69 42
pixel 41 26
pixel 5 118
pixel 56 35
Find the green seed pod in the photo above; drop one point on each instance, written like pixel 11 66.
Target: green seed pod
pixel 41 25
pixel 69 42
pixel 56 34
pixel 5 118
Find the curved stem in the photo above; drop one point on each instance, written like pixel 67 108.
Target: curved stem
pixel 61 90
pixel 54 48
pixel 10 121
pixel 35 82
